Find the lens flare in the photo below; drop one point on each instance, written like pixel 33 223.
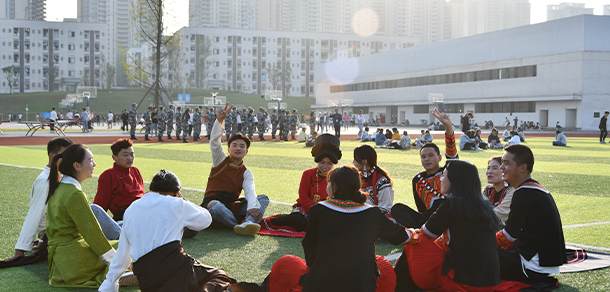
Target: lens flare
pixel 365 22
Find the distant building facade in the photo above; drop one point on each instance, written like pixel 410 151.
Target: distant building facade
pixel 239 59
pixel 495 75
pixel 23 9
pixel 564 10
pixel 39 48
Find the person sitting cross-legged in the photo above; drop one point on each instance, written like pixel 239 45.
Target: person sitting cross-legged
pixel 160 263
pixel 228 177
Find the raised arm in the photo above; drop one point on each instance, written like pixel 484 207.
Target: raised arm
pixel 215 143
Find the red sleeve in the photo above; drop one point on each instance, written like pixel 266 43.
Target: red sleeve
pixel 140 180
pixel 104 190
pixel 450 149
pixel 305 200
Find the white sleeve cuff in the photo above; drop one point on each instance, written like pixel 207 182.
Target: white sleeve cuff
pixel 107 257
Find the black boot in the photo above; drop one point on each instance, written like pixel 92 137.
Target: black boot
pixel 170 137
pixel 184 140
pixel 161 140
pixel 133 137
pixel 146 138
pixel 272 136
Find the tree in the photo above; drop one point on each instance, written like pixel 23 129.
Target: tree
pixel 11 73
pixel 109 75
pixel 286 76
pixel 147 19
pixel 202 52
pixel 175 63
pixel 273 73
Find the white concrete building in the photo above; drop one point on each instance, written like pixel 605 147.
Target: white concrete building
pixel 239 59
pixel 22 9
pixel 36 47
pixel 547 72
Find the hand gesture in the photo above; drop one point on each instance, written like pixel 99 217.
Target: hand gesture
pixel 222 112
pixel 446 120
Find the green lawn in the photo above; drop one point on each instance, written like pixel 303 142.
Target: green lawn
pixel 578 177
pixel 118 99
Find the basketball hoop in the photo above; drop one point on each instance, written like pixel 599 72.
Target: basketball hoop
pixel 437 98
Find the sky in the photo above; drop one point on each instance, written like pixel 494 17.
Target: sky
pixel 177 11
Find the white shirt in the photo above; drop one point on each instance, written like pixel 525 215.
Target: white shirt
pixel 142 233
pixel 53 116
pixel 110 116
pixel 515 140
pixel 360 119
pixel 35 220
pixel 219 156
pixel 69 115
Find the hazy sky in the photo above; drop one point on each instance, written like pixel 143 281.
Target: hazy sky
pixel 178 10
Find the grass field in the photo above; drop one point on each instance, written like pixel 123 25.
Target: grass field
pixel 578 176
pixel 118 99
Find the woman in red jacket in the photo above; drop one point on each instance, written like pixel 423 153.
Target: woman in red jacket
pixel 313 183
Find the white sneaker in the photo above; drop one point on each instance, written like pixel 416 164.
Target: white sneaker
pixel 247 228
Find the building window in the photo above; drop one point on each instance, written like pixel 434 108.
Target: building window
pixel 71 46
pixel 71 33
pixel 506 107
pixel 420 109
pixel 71 59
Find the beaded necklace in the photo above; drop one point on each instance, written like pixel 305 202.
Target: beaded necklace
pixel 421 178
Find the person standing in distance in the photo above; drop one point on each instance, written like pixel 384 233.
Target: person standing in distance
pixel 603 128
pixel 133 114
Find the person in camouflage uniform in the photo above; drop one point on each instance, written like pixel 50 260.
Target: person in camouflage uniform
pixel 169 121
pixel 185 124
pixel 178 122
pixel 260 116
pixel 274 120
pixel 244 122
pixel 286 131
pixel 147 123
pixel 312 122
pixel 251 123
pixel 161 124
pixel 211 119
pixel 231 123
pixel 133 115
pixel 197 124
pixel 294 120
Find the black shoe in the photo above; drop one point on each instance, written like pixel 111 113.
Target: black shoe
pixel 170 138
pixel 146 138
pixel 263 139
pixel 184 141
pixel 161 140
pixel 133 137
pixel 273 137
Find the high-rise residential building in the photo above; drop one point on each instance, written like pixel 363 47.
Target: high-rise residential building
pixel 52 55
pixel 470 17
pixel 566 10
pixel 22 9
pixel 223 13
pixel 606 10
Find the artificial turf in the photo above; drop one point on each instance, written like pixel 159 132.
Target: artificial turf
pixel 577 176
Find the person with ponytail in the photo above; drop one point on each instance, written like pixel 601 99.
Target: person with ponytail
pixel 376 182
pixel 160 263
pixel 339 244
pixel 312 189
pixel 457 251
pixel 79 253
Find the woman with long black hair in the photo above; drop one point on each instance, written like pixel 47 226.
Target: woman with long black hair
pixel 457 251
pixel 79 253
pixel 376 182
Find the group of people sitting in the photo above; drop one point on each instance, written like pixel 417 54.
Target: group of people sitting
pixel 458 238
